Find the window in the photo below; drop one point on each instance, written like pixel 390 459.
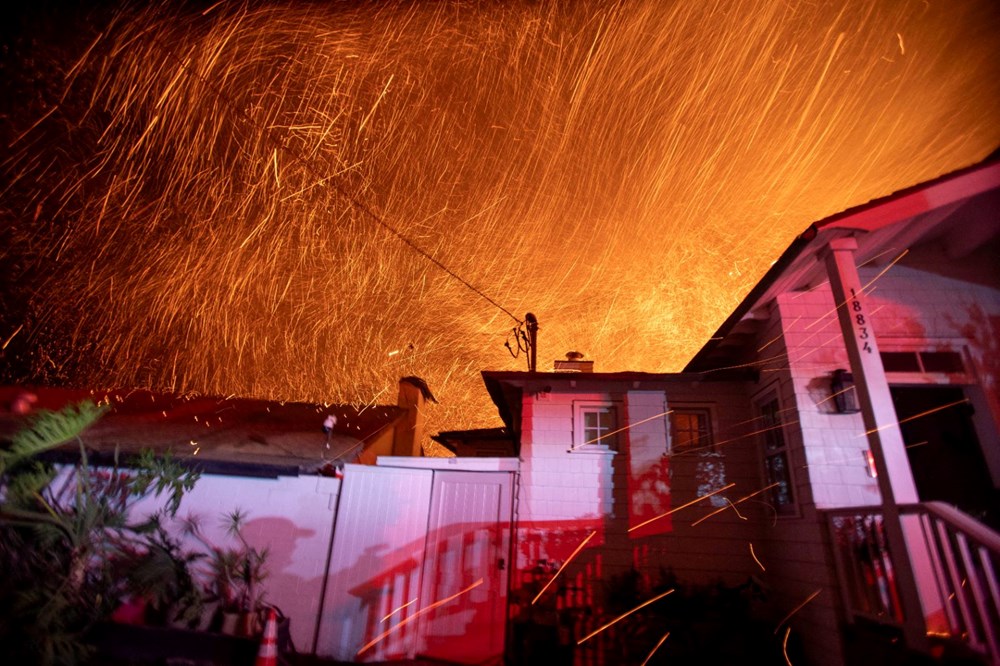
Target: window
pixel 690 430
pixel 923 361
pixel 776 466
pixel 596 426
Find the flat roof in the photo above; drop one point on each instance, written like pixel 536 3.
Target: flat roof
pixel 218 435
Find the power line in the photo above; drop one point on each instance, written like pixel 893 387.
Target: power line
pixel 358 205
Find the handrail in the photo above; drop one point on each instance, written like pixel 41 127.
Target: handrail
pixel 960 521
pixel 955 560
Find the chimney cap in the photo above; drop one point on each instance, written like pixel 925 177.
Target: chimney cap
pixel 574 363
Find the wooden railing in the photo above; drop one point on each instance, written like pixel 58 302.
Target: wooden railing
pixel 955 561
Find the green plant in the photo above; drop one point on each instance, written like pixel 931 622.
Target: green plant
pixel 66 535
pixel 235 572
pixel 162 576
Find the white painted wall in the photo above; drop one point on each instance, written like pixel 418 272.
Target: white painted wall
pixel 292 517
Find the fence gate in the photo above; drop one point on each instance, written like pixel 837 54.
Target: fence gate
pixel 417 566
pixel 468 542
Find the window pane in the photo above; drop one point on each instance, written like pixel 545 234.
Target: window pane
pixel 598 424
pixel 774 438
pixel 942 361
pixel 689 429
pixel 777 472
pixel 899 361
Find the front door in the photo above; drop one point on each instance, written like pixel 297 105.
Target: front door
pixel 944 452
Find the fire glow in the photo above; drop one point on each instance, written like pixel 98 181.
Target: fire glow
pixel 193 202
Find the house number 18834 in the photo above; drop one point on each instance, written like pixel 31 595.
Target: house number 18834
pixel 860 322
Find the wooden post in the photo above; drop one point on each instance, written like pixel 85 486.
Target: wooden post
pixel 895 481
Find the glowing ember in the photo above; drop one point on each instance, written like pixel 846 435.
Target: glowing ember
pixel 733 504
pixel 655 648
pixel 796 610
pixel 420 612
pixel 568 560
pixel 754 556
pixel 623 616
pixel 243 200
pixel 683 506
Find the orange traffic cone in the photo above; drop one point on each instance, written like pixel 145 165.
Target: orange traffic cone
pixel 267 655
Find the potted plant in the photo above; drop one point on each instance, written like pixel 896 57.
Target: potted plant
pixel 67 534
pixel 163 577
pixel 235 576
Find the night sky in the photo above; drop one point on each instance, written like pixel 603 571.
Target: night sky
pixel 306 201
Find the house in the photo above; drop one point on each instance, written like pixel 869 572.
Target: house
pixel 830 427
pixel 790 495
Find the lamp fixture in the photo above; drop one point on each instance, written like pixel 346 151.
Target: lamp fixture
pixel 844 396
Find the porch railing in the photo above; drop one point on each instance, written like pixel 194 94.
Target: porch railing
pixel 955 560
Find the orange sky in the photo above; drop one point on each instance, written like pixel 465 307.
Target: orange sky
pixel 203 202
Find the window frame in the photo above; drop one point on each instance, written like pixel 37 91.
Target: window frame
pixel 705 409
pixel 772 451
pixel 920 346
pixel 583 407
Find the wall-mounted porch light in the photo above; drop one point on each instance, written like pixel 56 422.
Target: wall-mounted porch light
pixel 844 396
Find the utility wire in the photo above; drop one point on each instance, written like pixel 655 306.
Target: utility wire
pixel 358 205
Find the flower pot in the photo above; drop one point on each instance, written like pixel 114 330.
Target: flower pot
pixel 230 623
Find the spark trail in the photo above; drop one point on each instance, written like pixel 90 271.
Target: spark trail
pixel 185 194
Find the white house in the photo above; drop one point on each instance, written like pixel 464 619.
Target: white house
pixel 850 394
pixel 790 495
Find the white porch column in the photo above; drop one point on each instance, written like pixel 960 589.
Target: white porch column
pixel 895 481
pixel 884 437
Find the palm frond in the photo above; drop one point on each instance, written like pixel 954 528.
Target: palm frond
pixel 48 430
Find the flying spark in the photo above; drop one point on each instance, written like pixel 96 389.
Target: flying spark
pixel 568 559
pixel 623 616
pixel 655 648
pixel 622 429
pixel 404 622
pixel 683 506
pixel 742 499
pixel 796 610
pixel 261 199
pixel 754 556
pixel 406 605
pixel 915 416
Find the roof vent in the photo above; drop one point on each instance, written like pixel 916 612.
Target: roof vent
pixel 574 363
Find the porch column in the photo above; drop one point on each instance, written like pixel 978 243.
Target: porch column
pixel 895 481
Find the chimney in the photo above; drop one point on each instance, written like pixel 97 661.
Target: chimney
pixel 574 363
pixel 409 429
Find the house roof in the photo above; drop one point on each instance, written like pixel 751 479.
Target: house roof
pixel 959 210
pixel 477 437
pixel 506 387
pixel 219 435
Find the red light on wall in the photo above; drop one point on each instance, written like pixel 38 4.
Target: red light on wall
pixel 870 462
